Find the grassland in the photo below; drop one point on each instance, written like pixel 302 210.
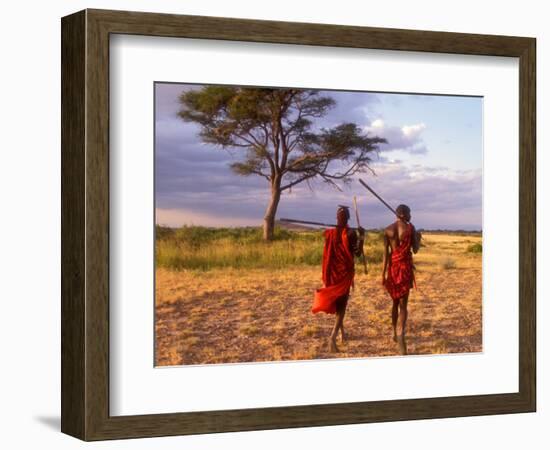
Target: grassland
pixel 200 248
pixel 223 295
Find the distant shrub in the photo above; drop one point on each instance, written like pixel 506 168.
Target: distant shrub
pixel 162 232
pixel 475 248
pixel 447 263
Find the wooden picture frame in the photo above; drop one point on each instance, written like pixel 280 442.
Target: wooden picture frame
pixel 85 224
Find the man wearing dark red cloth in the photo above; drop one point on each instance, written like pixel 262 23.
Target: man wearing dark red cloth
pixel 400 240
pixel 341 244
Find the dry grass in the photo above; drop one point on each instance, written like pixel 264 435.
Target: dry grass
pixel 203 248
pixel 447 263
pixel 243 315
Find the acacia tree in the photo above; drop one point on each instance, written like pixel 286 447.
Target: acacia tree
pixel 275 129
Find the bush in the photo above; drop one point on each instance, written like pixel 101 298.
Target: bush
pixel 475 248
pixel 162 232
pixel 447 263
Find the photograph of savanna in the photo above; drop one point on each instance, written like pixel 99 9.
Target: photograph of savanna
pixel 305 224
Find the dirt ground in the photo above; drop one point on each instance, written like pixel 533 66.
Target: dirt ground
pixel 230 315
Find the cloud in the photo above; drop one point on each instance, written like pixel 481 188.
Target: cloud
pixel 350 107
pixel 195 185
pixel 413 131
pixel 179 217
pixel 407 138
pixel 439 197
pixel 166 98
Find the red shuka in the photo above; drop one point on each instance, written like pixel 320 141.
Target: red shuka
pixel 338 271
pixel 400 277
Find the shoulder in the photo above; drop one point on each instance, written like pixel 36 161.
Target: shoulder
pixel 402 227
pixel 389 231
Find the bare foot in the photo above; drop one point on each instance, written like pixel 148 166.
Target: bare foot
pixel 344 337
pixel 394 337
pixel 402 345
pixel 332 346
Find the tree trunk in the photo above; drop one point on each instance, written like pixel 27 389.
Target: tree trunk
pixel 270 212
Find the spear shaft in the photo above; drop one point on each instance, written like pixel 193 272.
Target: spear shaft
pixel 307 222
pixel 359 226
pixel 377 196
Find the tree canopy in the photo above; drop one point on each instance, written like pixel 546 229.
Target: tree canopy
pixel 276 130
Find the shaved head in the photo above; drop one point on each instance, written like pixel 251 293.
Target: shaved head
pixel 342 215
pixel 403 212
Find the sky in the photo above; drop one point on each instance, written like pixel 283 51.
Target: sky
pixel 432 162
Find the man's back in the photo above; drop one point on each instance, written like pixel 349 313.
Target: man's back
pixel 395 233
pixel 397 268
pixel 337 255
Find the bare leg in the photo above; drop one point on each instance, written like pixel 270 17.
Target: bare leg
pixel 338 324
pixel 343 313
pixel 403 314
pixel 332 340
pixel 394 316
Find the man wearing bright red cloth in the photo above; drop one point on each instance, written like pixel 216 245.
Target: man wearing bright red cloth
pixel 401 240
pixel 341 244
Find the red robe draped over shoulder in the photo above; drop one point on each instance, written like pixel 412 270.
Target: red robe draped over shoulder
pixel 400 276
pixel 338 271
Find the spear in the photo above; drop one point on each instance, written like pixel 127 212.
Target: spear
pixel 377 196
pixel 359 226
pixel 308 222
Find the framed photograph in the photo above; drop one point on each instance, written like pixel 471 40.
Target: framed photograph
pixel 272 225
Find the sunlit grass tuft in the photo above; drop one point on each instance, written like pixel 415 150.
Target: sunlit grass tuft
pixel 311 330
pixel 475 248
pixel 249 330
pixel 447 264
